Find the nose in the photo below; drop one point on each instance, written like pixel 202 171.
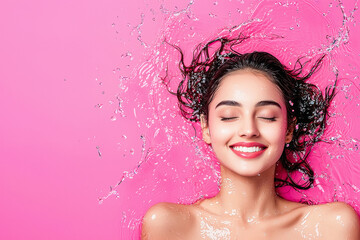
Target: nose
pixel 248 128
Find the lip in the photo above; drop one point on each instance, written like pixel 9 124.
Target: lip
pixel 248 155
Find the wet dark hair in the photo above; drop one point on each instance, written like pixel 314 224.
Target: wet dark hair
pixel 307 107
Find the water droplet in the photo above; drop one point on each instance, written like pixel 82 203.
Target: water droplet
pixel 98 150
pixel 99 105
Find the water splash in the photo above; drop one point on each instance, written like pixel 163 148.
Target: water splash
pixel 172 163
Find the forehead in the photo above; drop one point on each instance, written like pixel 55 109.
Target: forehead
pixel 247 86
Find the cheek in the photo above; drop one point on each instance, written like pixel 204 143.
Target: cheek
pixel 220 133
pixel 276 134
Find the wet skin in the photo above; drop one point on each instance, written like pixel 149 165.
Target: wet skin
pixel 247 129
pixel 296 221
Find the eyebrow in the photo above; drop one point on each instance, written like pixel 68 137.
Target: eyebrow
pixel 237 104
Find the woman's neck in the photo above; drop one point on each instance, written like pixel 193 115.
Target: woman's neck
pixel 248 198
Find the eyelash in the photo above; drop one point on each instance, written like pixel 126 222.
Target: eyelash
pixel 226 119
pixel 273 119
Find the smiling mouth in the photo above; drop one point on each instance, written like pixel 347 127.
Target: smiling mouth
pixel 247 149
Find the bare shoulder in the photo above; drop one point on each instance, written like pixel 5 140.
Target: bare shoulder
pixel 166 221
pixel 340 220
pixel 341 212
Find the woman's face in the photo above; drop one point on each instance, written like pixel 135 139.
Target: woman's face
pixel 247 125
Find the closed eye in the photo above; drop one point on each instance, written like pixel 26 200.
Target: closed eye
pixel 272 119
pixel 228 118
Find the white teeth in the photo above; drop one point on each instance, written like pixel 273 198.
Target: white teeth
pixel 247 149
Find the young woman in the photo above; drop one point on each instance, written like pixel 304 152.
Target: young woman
pixel 255 114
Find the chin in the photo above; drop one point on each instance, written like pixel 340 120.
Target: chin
pixel 249 171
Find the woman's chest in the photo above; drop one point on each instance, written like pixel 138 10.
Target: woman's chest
pixel 214 228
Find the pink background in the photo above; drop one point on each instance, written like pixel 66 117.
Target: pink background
pixel 65 143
